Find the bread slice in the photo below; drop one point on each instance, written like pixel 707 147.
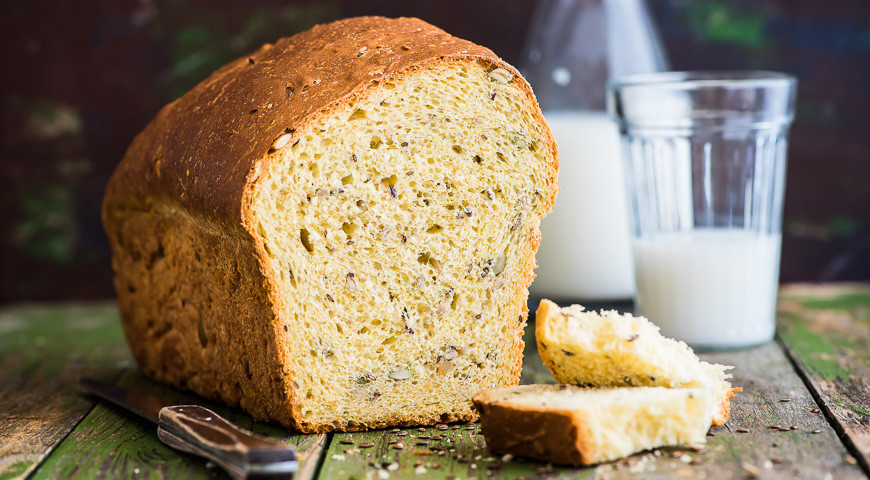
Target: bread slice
pixel 337 232
pixel 608 349
pixel 582 426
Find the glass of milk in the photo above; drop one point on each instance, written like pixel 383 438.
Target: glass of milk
pixel 704 158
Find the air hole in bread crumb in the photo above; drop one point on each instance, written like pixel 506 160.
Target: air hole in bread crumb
pixel 304 236
pixel 348 228
pixel 376 142
pixel 347 180
pixel 358 114
pixel 434 229
pixel 457 149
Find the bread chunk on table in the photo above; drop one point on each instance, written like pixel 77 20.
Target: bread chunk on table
pixel 582 426
pixel 609 349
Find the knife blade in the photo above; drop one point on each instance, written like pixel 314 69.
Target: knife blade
pixel 200 431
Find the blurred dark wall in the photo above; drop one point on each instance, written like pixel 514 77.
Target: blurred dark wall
pixel 82 78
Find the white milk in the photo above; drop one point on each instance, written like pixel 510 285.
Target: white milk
pixel 585 251
pixel 709 288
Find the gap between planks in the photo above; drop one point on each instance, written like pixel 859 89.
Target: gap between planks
pixel 823 406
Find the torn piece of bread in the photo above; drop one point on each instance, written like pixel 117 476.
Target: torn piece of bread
pixel 609 349
pixel 581 426
pixel 337 231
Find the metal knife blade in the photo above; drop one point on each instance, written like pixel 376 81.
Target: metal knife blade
pixel 198 430
pixel 140 403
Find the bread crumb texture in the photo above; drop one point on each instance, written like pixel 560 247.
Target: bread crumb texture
pixel 403 225
pixel 368 261
pixel 575 425
pixel 609 349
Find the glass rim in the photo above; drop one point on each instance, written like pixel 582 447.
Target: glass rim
pixel 701 79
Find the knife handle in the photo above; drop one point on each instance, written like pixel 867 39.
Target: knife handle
pixel 243 455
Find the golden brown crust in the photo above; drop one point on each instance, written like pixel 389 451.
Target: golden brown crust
pixel 194 167
pixel 203 151
pixel 722 411
pixel 554 435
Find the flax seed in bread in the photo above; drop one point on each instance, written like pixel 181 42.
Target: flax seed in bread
pixel 337 232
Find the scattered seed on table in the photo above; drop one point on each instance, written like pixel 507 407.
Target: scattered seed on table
pixel 346 441
pixel 784 429
pixel 423 436
pixel 851 460
pixel 711 434
pixel 776 461
pixel 456 427
pixel 421 429
pixel 423 443
pixel 398 446
pixel 395 430
pixel 441 427
pixel 793 427
pixel 402 434
pixel 814 410
pixel 774 426
pixel 785 399
pixel 742 430
pixel 816 430
pixel 366 445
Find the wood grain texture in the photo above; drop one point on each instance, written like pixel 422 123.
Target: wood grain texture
pixel 746 447
pixel 43 352
pixel 826 331
pixel 113 443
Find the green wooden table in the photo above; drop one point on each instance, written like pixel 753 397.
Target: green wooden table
pixel 804 411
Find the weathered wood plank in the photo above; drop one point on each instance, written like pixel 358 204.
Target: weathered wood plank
pixel 112 443
pixel 43 351
pixel 826 331
pixel 811 450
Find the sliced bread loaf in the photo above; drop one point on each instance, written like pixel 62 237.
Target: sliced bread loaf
pixel 608 349
pixel 582 426
pixel 338 230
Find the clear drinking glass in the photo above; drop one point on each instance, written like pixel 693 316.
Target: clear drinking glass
pixel 705 156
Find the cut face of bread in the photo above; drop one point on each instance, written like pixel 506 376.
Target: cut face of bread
pixel 612 349
pixel 582 426
pixel 337 231
pixel 401 229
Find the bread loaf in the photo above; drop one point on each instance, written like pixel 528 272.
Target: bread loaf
pixel 581 426
pixel 613 350
pixel 336 232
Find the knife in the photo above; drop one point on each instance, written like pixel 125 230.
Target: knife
pixel 200 431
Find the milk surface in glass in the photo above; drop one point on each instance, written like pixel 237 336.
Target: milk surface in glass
pixel 585 250
pixel 709 287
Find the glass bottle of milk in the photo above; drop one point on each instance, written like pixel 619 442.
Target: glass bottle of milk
pixel 574 47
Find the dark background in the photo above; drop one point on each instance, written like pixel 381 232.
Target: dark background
pixel 81 78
